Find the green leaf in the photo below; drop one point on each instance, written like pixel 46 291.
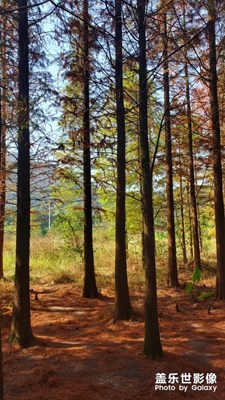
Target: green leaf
pixel 197 275
pixel 189 287
pixel 205 295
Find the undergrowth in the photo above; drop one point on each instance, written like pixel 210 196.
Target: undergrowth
pixel 51 262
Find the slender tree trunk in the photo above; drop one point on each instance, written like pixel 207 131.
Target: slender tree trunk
pixel 172 258
pixel 152 343
pixel 21 326
pixel 199 230
pixel 190 224
pixel 90 288
pixel 2 184
pixel 194 212
pixel 122 307
pixel 2 144
pixel 217 167
pixel 183 236
pixel 142 219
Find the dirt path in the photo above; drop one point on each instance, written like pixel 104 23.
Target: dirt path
pixel 84 355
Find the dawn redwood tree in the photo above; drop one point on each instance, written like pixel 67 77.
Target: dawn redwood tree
pixel 2 177
pixel 76 119
pixel 122 307
pixel 190 151
pixel 152 343
pixel 191 254
pixel 183 233
pixel 90 288
pixel 21 325
pixel 194 212
pixel 172 276
pixel 3 95
pixel 182 216
pixel 217 167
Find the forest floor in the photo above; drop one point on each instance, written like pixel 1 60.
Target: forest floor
pixel 82 354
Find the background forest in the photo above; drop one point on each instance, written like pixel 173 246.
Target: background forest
pixel 111 151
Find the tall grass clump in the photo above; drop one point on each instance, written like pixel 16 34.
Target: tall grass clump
pixel 9 255
pixel 51 261
pixel 104 250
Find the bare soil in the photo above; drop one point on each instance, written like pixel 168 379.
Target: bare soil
pixel 82 354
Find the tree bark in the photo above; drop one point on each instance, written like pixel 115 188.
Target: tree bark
pixel 191 254
pixel 217 167
pixel 2 182
pixel 90 288
pixel 183 236
pixel 2 144
pixel 194 212
pixel 172 258
pixel 21 325
pixel 152 343
pixel 122 306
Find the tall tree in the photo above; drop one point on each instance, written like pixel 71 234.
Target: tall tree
pixel 21 325
pixel 183 233
pixel 2 178
pixel 90 288
pixel 172 257
pixel 194 213
pixel 217 167
pixel 152 343
pixel 122 307
pixel 191 254
pixel 3 94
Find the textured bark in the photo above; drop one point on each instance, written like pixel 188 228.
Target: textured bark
pixel 21 326
pixel 199 230
pixel 2 180
pixel 90 288
pixel 183 236
pixel 122 307
pixel 190 225
pixel 2 144
pixel 142 219
pixel 217 167
pixel 152 343
pixel 172 258
pixel 194 212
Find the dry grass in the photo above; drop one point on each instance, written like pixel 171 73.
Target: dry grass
pixel 49 263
